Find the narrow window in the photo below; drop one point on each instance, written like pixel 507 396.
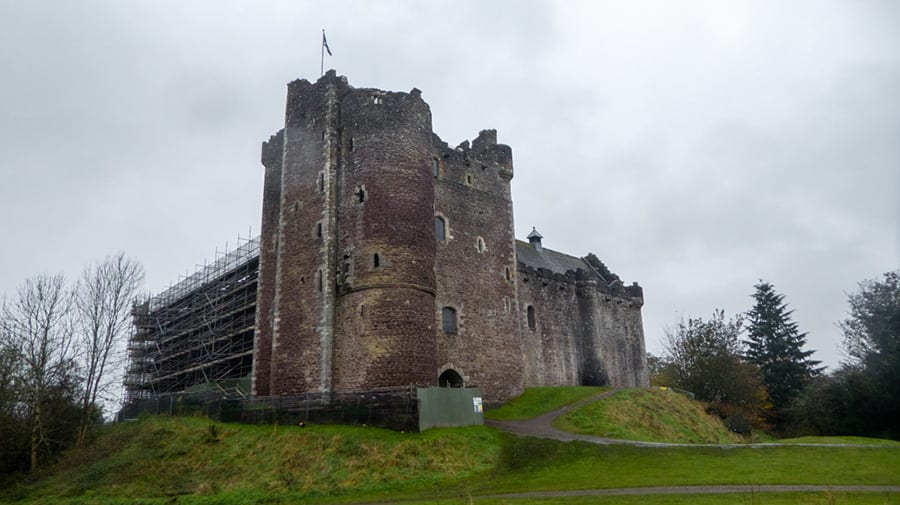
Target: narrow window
pixel 448 320
pixel 434 166
pixel 319 281
pixel 440 229
pixel 351 143
pixel 376 261
pixel 319 230
pixel 531 323
pixel 361 194
pixel 479 244
pixel 321 181
pixel 508 274
pixel 468 179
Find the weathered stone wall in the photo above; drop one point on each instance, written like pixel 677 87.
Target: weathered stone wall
pixel 552 345
pixel 618 340
pixel 386 248
pixel 585 331
pixel 305 271
pixel 268 256
pixel 353 280
pixel 475 266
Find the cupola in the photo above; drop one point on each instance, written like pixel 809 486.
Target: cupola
pixel 534 238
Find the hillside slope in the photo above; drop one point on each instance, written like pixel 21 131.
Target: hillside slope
pixel 652 415
pixel 162 460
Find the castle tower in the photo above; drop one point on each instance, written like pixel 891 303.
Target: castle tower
pixel 476 268
pixel 346 289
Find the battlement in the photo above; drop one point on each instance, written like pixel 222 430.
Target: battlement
pixel 272 149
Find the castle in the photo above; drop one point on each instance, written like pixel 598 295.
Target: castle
pixel 387 258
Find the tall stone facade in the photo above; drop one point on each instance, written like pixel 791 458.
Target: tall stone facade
pixel 387 258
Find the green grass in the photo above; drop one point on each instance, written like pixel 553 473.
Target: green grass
pixel 537 464
pixel 536 401
pixel 819 498
pixel 839 440
pixel 166 457
pixel 166 460
pixel 648 415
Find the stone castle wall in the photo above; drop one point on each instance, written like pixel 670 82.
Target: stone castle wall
pixel 476 266
pixel 354 279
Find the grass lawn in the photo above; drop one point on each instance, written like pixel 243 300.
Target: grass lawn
pixel 536 464
pixel 821 498
pixel 839 440
pixel 537 401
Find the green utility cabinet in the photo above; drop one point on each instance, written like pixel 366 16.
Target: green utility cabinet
pixel 444 407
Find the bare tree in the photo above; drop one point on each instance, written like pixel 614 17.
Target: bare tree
pixel 103 300
pixel 37 328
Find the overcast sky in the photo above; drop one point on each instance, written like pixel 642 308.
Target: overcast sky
pixel 695 147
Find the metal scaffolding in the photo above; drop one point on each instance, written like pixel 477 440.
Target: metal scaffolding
pixel 198 334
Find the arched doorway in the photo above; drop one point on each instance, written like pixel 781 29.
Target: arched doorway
pixel 450 379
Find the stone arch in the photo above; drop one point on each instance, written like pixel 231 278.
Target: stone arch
pixel 450 378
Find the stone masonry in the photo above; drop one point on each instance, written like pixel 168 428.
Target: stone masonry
pixel 387 259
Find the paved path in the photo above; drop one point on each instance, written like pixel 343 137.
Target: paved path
pixel 542 427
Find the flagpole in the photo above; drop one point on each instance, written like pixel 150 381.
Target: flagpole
pixel 322 64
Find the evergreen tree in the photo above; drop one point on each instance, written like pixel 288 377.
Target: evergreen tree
pixel 775 345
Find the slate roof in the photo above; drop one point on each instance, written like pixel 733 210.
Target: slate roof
pixel 548 259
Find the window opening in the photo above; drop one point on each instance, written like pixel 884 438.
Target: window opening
pixel 448 320
pixel 321 181
pixel 440 229
pixel 361 194
pixel 319 281
pixel 531 322
pixel 479 244
pixel 376 261
pixel 319 230
pixel 508 274
pixel 468 179
pixel 351 143
pixel 434 166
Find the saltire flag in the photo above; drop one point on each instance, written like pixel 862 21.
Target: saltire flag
pixel 325 44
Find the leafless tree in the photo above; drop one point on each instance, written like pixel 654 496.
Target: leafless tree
pixel 103 300
pixel 36 326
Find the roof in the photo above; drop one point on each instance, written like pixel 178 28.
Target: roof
pixel 548 259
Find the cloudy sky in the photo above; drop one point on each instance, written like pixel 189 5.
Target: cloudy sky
pixel 695 147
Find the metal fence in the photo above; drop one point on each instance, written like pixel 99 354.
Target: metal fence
pixel 394 408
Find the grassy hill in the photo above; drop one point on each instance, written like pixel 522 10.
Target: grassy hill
pixel 161 460
pixel 652 415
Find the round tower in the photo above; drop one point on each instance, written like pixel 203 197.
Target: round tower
pixel 385 247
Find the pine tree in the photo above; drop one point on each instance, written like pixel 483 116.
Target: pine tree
pixel 775 345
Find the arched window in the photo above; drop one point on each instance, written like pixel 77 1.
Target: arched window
pixel 450 379
pixel 531 322
pixel 440 229
pixel 448 320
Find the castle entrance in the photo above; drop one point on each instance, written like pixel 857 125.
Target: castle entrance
pixel 450 379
